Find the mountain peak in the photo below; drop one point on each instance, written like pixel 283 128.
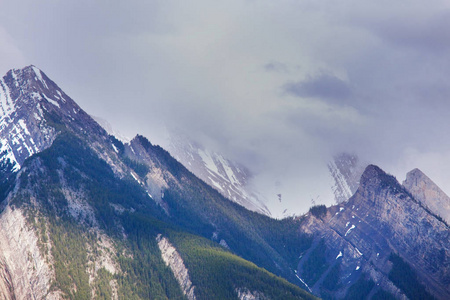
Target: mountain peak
pixel 372 174
pixel 428 193
pixel 32 110
pixel 375 179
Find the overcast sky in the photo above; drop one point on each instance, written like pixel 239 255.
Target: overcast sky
pixel 280 86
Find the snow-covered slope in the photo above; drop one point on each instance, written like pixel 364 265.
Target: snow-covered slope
pixel 32 107
pixel 25 96
pixel 229 178
pixel 346 170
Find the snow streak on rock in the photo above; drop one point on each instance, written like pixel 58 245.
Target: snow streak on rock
pixel 227 177
pixel 345 169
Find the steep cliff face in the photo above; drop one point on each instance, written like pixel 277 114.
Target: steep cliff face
pixel 356 239
pixel 26 273
pixel 428 193
pixel 173 260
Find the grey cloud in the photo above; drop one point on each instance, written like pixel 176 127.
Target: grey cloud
pixel 323 86
pixel 275 66
pixel 216 71
pixel 431 33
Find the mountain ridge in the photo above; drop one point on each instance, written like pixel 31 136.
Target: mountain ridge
pixel 91 211
pixel 379 220
pixel 86 200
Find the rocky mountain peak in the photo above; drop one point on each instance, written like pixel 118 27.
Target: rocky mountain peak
pixel 376 185
pixel 373 177
pixel 428 193
pixel 32 110
pixel 30 79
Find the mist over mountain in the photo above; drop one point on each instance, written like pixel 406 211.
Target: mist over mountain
pixel 280 87
pixel 84 215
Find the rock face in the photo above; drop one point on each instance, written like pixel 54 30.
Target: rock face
pixel 30 105
pixel 360 235
pixel 173 259
pixel 24 272
pixel 428 193
pixel 245 294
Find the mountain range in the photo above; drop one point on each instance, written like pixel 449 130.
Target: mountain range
pixel 87 216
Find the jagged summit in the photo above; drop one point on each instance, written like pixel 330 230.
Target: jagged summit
pixel 375 179
pixel 31 107
pixel 362 236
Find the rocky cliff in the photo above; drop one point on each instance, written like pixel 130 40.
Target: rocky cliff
pixel 355 241
pixel 173 259
pixel 428 193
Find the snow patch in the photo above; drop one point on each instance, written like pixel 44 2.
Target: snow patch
pixel 6 103
pixel 215 184
pixel 208 161
pixel 304 283
pixel 39 76
pixel 55 103
pixel 348 231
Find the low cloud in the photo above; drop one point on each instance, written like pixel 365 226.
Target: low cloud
pixel 363 76
pixel 276 66
pixel 324 86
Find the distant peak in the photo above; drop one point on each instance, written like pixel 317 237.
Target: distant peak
pixel 416 177
pixel 415 172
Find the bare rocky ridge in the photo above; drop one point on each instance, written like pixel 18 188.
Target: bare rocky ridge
pixel 31 107
pixel 380 219
pixel 173 259
pixel 426 191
